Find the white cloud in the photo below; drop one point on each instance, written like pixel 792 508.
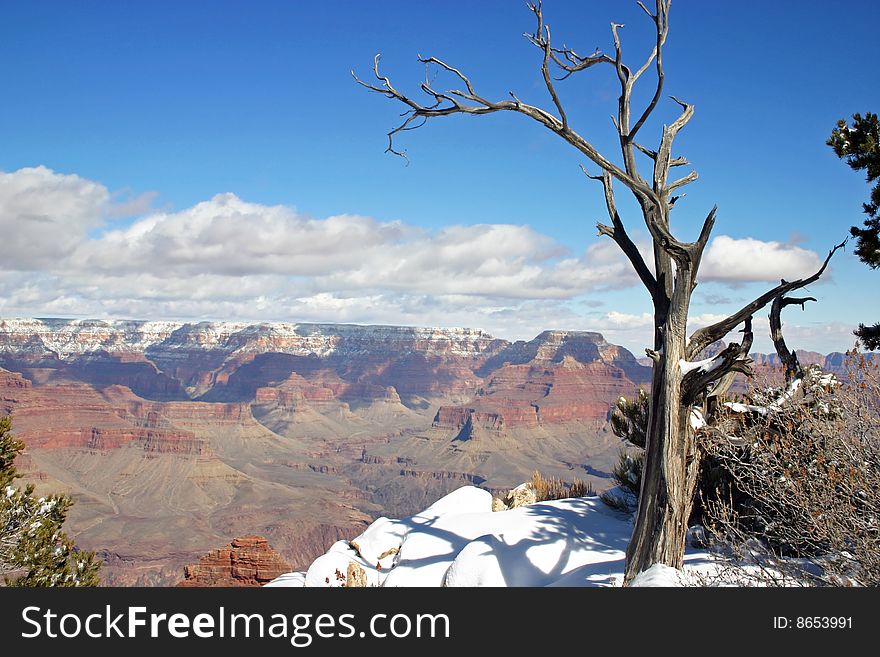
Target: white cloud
pixel 733 261
pixel 44 216
pixel 227 236
pixel 67 253
pixel 53 218
pixel 625 321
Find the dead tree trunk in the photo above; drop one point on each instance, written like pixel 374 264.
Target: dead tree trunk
pixel 671 466
pixel 679 385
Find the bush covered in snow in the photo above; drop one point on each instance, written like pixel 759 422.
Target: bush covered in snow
pixel 802 491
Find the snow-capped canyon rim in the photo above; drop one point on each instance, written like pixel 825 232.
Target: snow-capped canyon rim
pixel 459 541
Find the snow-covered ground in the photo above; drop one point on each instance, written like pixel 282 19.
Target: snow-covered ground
pixel 460 541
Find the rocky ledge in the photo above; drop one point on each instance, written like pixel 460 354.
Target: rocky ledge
pixel 247 561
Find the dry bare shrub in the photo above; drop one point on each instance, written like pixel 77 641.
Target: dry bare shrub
pixel 579 488
pixel 556 489
pixel 801 501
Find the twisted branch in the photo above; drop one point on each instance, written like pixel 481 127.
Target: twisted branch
pixel 618 233
pixel 720 387
pixel 702 338
pixel 793 369
pixel 734 358
pixel 456 101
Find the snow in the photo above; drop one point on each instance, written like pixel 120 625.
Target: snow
pixel 329 569
pixel 736 407
pixel 697 420
pixel 658 575
pixel 288 579
pixel 776 405
pixel 70 338
pixel 459 541
pixel 373 545
pixel 706 365
pixel 787 395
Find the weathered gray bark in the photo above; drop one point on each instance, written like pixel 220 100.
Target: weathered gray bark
pixel 672 460
pixel 670 472
pixel 790 362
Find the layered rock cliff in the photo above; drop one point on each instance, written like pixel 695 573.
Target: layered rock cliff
pixel 247 561
pixel 557 378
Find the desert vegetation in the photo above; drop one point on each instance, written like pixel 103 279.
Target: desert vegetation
pixel 790 487
pixel 34 551
pixel 799 495
pixel 553 488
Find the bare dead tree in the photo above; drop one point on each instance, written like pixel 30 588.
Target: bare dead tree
pixel 672 460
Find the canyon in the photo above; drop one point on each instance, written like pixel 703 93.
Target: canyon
pixel 177 438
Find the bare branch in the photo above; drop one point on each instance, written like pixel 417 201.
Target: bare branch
pixel 541 38
pixel 573 62
pixel 623 72
pixel 732 359
pixel 705 336
pixel 674 162
pixel 699 246
pixel 708 224
pixel 646 151
pixel 663 161
pixel 470 94
pixel 617 232
pixel 661 21
pixel 678 250
pixel 686 254
pixel 646 10
pixel 720 387
pixel 793 369
pixel 470 102
pixel 681 182
pixel 576 62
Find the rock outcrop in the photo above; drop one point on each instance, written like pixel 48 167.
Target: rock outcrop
pixel 522 495
pixel 247 561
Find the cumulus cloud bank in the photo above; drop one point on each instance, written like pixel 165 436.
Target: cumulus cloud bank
pixel 45 216
pixel 730 260
pixel 69 253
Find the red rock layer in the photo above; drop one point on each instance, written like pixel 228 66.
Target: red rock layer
pixel 75 415
pixel 540 394
pixel 248 561
pixel 12 380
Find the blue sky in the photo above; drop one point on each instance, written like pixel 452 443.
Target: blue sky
pixel 140 114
